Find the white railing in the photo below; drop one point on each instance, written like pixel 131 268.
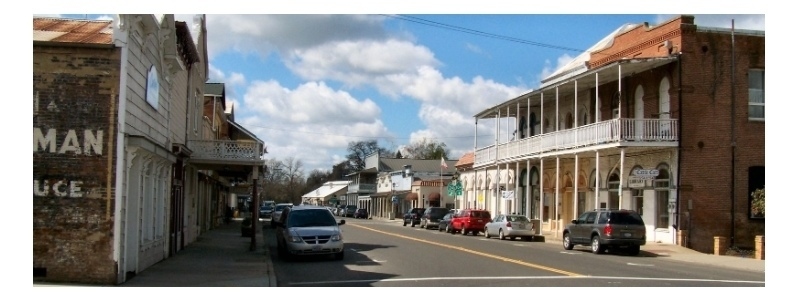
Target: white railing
pixel 362 188
pixel 225 149
pixel 609 131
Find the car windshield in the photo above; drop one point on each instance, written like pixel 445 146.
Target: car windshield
pixel 626 218
pixel 311 218
pixel 438 212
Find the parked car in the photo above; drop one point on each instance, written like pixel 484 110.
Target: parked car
pixel 413 216
pixel 509 226
pixel 340 210
pixel 276 214
pixel 266 209
pixel 361 213
pixel 603 229
pixel 431 216
pixel 350 211
pixel 309 230
pixel 444 223
pixel 470 220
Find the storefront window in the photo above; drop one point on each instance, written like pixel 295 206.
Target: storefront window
pixel 661 185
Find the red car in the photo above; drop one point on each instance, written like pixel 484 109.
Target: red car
pixel 470 220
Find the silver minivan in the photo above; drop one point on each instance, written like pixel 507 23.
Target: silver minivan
pixel 309 230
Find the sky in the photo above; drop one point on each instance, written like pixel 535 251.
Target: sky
pixel 310 84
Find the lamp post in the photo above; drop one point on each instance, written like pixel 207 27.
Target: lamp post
pixel 392 200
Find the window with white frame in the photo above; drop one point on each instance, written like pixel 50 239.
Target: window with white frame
pixel 661 185
pixel 756 94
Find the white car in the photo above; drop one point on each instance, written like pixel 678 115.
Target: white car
pixel 276 214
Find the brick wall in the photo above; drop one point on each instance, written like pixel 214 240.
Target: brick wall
pixel 707 138
pixel 75 111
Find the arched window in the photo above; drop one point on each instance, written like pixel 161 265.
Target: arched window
pixel 613 190
pixel 568 121
pixel 535 184
pixel 522 127
pixel 533 123
pixel 661 185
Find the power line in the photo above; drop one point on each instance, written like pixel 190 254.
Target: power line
pixel 480 33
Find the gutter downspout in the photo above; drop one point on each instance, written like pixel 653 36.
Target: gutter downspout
pixel 121 32
pixel 680 152
pixel 733 137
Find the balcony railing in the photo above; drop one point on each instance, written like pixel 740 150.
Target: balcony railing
pixel 362 188
pixel 605 132
pixel 225 150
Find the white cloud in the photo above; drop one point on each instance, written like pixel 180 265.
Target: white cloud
pixel 359 62
pixel 261 34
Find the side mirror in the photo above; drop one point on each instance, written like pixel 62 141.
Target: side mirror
pixel 341 222
pixel 574 221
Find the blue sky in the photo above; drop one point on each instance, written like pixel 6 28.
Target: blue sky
pixel 309 84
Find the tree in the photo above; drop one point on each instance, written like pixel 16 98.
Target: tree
pixel 758 208
pixel 294 179
pixel 358 152
pixel 427 149
pixel 316 179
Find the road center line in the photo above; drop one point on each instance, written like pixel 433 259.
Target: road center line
pixel 501 258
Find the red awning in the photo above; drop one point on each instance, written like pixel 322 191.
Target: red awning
pixel 412 197
pixel 434 197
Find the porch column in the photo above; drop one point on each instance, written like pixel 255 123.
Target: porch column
pixel 622 176
pixel 527 184
pixel 541 190
pixel 557 208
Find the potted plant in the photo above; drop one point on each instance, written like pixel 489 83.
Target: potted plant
pixel 247 227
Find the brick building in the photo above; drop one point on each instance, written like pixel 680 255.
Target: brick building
pixel 121 170
pixel 667 120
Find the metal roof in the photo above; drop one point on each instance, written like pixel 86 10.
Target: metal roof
pixel 327 189
pixel 72 31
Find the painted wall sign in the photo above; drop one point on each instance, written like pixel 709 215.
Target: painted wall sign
pixel 645 173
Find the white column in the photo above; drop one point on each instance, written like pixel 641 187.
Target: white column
pixel 622 176
pixel 575 189
pixel 557 201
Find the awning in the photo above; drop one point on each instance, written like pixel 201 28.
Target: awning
pixel 435 196
pixel 412 197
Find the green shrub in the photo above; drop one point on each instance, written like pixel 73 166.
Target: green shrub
pixel 758 206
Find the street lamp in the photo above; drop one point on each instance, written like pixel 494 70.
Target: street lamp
pixel 393 199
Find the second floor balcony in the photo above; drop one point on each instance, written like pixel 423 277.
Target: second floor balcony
pixel 362 188
pixel 605 134
pixel 230 152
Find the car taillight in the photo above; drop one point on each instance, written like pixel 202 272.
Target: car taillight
pixel 508 224
pixel 607 230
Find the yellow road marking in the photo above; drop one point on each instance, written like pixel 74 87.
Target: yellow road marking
pixel 515 261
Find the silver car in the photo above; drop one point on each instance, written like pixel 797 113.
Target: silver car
pixel 276 213
pixel 510 226
pixel 309 230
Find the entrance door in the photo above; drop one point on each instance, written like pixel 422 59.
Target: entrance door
pixel 567 209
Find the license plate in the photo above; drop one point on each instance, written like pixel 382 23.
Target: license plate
pixel 627 234
pixel 316 248
pixel 480 221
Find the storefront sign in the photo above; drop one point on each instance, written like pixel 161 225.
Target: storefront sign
pixel 635 182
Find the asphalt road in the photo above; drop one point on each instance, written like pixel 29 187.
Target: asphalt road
pixel 385 254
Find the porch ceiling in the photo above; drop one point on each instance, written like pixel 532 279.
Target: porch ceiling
pixel 566 87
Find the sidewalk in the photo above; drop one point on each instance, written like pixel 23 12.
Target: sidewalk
pixel 221 257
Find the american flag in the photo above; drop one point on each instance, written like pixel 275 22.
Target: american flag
pixel 444 164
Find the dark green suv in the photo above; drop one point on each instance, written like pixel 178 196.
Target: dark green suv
pixel 604 229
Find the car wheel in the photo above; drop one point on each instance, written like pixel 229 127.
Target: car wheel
pixel 339 256
pixel 486 233
pixel 567 242
pixel 528 238
pixel 464 231
pixel 501 234
pixel 404 222
pixel 597 248
pixel 474 232
pixel 412 224
pixel 448 229
pixel 440 228
pixel 633 250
